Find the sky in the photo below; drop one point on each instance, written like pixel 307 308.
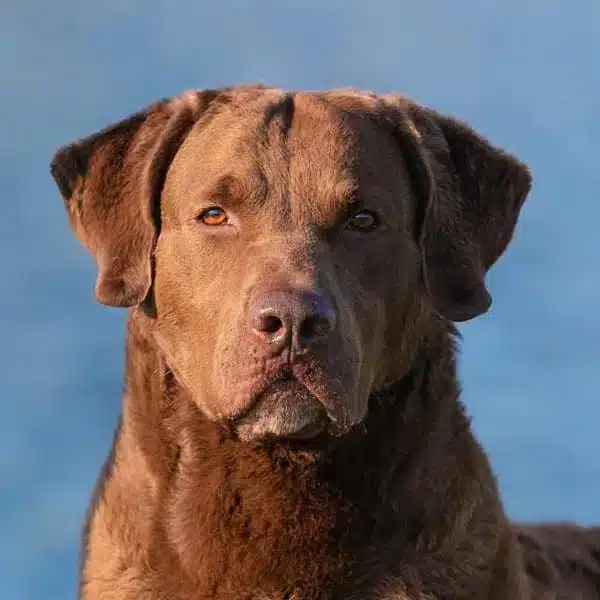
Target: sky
pixel 520 71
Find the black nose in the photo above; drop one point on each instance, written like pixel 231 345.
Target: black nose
pixel 291 318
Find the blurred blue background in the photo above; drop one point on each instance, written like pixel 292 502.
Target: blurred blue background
pixel 521 71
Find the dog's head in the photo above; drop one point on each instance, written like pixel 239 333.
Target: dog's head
pixel 291 248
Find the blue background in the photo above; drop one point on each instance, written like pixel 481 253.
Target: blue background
pixel 523 72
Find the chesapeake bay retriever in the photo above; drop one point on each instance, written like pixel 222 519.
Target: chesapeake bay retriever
pixel 291 426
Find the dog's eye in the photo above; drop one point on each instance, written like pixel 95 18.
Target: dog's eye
pixel 364 220
pixel 213 216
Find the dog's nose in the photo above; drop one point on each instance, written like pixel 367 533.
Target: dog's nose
pixel 291 318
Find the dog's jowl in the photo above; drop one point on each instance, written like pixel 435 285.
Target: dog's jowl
pixel 294 264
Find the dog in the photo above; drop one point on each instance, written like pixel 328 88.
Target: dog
pixel 292 429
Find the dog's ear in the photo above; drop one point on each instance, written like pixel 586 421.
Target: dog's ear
pixel 111 184
pixel 471 196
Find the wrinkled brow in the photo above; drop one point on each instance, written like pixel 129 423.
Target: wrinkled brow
pixel 232 191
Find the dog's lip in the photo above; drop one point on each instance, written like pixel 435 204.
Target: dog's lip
pixel 282 384
pixel 283 381
pixel 294 378
pixel 307 433
pixel 284 392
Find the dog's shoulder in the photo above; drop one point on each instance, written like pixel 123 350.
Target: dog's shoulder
pixel 562 559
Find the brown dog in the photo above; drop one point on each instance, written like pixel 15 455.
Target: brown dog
pixel 291 426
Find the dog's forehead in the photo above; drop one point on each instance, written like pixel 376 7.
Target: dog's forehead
pixel 305 150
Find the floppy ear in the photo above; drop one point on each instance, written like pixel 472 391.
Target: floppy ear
pixel 111 184
pixel 472 193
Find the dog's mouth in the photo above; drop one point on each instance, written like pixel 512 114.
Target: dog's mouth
pixel 285 410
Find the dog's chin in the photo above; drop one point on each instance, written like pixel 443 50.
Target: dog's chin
pixel 285 412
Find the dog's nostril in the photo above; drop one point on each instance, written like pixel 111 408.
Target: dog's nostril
pixel 269 324
pixel 314 327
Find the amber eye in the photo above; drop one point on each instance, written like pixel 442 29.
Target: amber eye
pixel 365 220
pixel 213 216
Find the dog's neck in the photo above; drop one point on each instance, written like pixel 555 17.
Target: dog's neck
pixel 227 516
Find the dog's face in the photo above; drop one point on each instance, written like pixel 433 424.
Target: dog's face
pixel 291 248
pixel 284 260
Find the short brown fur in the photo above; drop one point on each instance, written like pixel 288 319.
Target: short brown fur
pixel 208 492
